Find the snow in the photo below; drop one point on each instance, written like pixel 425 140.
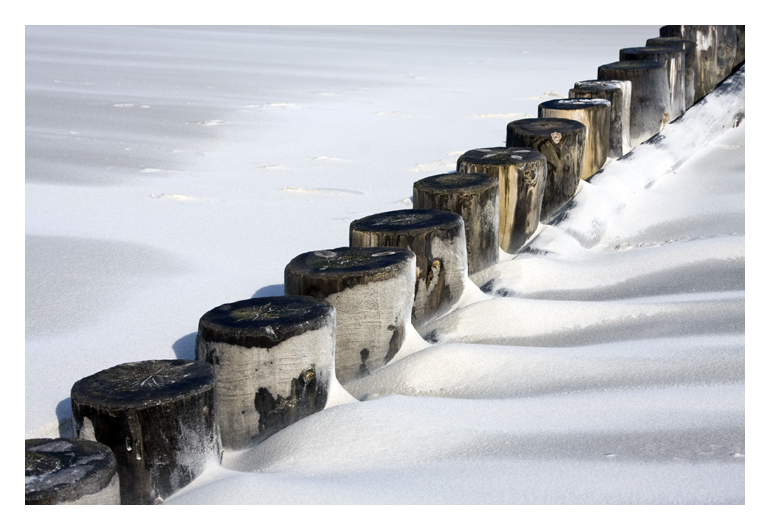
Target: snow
pixel 172 170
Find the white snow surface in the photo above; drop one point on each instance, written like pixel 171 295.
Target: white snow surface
pixel 172 170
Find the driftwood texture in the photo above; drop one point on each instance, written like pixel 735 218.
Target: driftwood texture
pixel 438 241
pixel 674 61
pixel 618 93
pixel 688 46
pixel 159 419
pixel 561 142
pixel 372 290
pixel 594 113
pixel 274 360
pixel 474 196
pixel 650 96
pixel 69 471
pixel 520 173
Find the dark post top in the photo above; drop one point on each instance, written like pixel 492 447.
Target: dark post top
pixel 546 126
pixel 65 469
pixel 499 156
pixel 264 322
pixel 143 384
pixel 599 84
pixel 632 65
pixel 457 182
pixel 406 221
pixel 664 41
pixel 574 103
pixel 344 267
pixel 648 50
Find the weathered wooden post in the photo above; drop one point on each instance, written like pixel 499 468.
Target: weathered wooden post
pixel 69 471
pixel 740 52
pixel 438 240
pixel 618 93
pixel 372 290
pixel 562 143
pixel 474 196
pixel 688 46
pixel 520 173
pixel 705 65
pixel 594 113
pixel 158 417
pixel 674 61
pixel 727 46
pixel 650 96
pixel 274 361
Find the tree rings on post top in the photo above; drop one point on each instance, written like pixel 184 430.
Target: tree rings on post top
pixel 618 93
pixel 650 95
pixel 69 471
pixel 372 290
pixel 159 419
pixel 673 60
pixel 594 113
pixel 437 239
pixel 273 359
pixel 562 142
pixel 474 196
pixel 520 173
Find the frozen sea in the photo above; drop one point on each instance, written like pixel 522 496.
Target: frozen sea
pixel 170 170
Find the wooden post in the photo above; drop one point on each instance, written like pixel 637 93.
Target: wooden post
pixel 705 65
pixel 158 417
pixel 438 240
pixel 674 61
pixel 618 93
pixel 594 113
pixel 69 471
pixel 520 173
pixel 274 361
pixel 562 143
pixel 688 46
pixel 650 96
pixel 740 52
pixel 474 196
pixel 372 290
pixel 727 46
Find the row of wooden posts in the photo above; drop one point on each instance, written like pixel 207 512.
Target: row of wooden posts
pixel 146 429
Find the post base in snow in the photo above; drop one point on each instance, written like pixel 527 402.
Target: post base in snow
pixel 474 196
pixel 372 290
pixel 69 471
pixel 594 113
pixel 650 96
pixel 562 143
pixel 618 93
pixel 688 47
pixel 673 60
pixel 159 419
pixel 520 174
pixel 274 360
pixel 438 241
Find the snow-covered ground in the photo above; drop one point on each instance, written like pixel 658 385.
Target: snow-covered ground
pixel 171 170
